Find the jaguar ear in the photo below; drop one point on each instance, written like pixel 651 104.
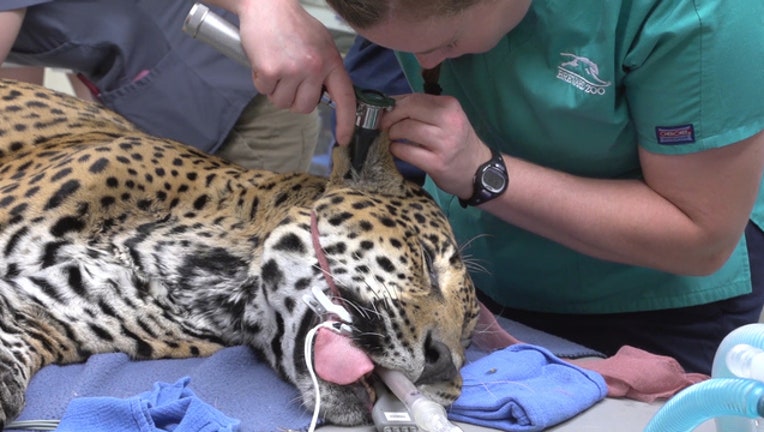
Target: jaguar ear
pixel 378 173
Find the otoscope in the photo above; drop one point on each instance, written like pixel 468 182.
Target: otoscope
pixel 203 24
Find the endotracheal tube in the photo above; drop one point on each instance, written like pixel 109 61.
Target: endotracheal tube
pixel 428 415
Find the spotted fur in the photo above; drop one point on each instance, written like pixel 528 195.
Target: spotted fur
pixel 113 240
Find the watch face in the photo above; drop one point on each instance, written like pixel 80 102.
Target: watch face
pixel 494 180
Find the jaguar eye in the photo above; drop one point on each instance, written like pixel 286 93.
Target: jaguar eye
pixel 427 257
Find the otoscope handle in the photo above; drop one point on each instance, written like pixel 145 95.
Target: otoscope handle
pixel 207 26
pixel 203 24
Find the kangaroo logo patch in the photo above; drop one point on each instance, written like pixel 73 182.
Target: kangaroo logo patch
pixel 583 74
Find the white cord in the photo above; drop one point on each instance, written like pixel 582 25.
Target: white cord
pixel 308 352
pixel 33 425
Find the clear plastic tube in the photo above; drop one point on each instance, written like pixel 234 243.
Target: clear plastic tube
pixel 428 415
pixel 746 361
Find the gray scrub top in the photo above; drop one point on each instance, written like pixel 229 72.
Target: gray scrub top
pixel 140 63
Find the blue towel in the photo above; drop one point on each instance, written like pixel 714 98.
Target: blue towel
pixel 524 388
pixel 168 407
pixel 232 380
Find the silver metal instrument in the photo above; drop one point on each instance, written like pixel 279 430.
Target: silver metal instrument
pixel 207 26
pixel 203 24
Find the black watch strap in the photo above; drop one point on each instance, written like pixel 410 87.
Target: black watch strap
pixel 491 180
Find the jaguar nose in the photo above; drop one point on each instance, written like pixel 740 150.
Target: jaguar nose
pixel 438 364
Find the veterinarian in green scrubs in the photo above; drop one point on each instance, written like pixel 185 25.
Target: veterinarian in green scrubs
pixel 630 136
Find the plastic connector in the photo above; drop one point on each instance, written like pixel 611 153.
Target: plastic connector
pixel 428 415
pixel 746 361
pixel 322 306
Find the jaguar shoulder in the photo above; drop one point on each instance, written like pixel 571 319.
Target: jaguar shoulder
pixel 113 240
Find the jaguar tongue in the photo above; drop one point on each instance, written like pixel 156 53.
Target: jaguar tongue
pixel 337 360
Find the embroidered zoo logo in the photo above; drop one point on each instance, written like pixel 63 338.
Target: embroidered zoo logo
pixel 582 73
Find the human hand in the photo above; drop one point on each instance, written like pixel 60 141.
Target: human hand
pixel 434 134
pixel 293 57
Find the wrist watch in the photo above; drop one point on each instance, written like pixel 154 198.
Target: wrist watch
pixel 490 181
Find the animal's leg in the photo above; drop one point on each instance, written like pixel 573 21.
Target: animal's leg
pixel 16 366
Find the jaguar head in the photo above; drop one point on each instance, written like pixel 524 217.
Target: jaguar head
pixel 398 271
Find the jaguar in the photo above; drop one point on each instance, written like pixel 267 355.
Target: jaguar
pixel 112 240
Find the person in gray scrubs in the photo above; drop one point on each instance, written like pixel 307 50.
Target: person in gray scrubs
pixel 135 59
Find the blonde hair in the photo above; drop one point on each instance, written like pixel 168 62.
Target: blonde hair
pixel 367 13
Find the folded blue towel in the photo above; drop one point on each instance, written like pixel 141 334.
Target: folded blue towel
pixel 168 407
pixel 524 388
pixel 233 380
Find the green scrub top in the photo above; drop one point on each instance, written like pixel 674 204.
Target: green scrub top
pixel 578 86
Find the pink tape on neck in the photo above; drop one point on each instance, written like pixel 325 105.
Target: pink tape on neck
pixel 337 360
